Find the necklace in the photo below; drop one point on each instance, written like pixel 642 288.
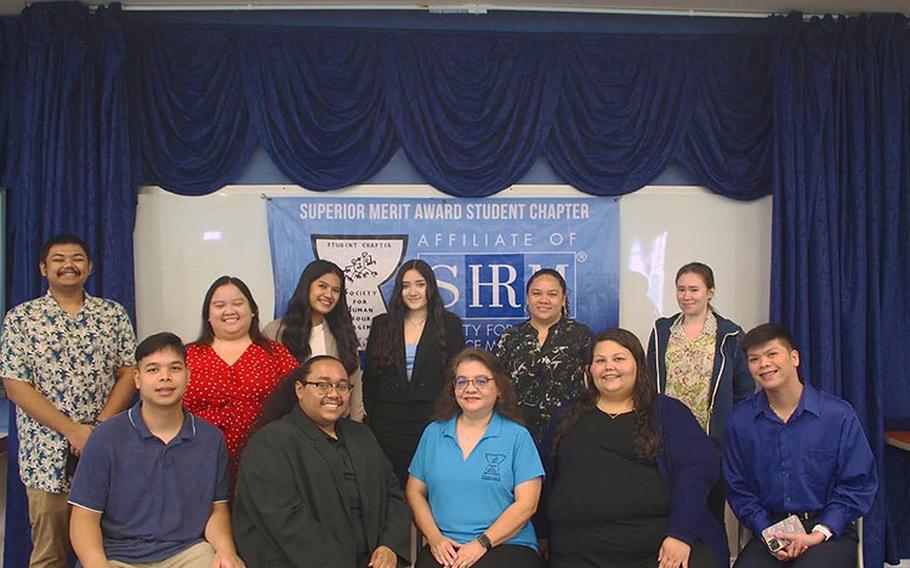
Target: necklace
pixel 615 415
pixel 417 323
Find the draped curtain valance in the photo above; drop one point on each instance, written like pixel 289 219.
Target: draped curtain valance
pixel 472 111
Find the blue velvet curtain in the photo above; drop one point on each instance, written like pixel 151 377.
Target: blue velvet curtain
pixel 630 105
pixel 728 142
pixel 624 108
pixel 841 243
pixel 318 106
pixel 191 122
pixel 472 111
pixel 68 169
pixel 9 125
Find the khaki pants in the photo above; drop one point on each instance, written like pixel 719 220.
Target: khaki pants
pixel 197 556
pixel 49 515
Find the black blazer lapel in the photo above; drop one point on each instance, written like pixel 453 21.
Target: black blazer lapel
pixel 427 350
pixel 327 452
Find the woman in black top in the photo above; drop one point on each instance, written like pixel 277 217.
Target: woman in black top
pixel 546 355
pixel 631 473
pixel 407 353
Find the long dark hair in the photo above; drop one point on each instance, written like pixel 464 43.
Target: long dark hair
pixel 506 404
pixel 297 323
pixel 389 351
pixel 644 397
pixel 284 397
pixel 207 334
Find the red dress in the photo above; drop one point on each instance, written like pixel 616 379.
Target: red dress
pixel 231 396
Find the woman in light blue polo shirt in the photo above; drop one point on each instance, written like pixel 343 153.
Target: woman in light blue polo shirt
pixel 476 476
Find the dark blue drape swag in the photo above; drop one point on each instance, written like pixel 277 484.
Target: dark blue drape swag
pixel 318 105
pixel 472 112
pixel 728 140
pixel 624 107
pixel 191 120
pixel 841 244
pixel 67 166
pixel 92 105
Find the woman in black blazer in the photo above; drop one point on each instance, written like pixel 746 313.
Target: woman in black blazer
pixel 407 354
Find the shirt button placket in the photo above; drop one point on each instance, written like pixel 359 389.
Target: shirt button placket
pixel 785 465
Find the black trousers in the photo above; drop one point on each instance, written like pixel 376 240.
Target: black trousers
pixel 837 552
pixel 502 556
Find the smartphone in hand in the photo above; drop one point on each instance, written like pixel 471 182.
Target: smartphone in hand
pixel 790 525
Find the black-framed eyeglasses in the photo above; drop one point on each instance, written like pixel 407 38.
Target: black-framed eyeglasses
pixel 325 387
pixel 480 381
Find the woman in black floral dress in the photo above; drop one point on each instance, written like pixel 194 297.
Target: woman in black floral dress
pixel 546 356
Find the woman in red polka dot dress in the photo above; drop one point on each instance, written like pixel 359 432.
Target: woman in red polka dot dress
pixel 233 367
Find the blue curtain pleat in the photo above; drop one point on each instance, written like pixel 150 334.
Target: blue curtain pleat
pixel 74 172
pixel 317 104
pixel 472 111
pixel 10 40
pixel 192 124
pixel 623 108
pixel 841 185
pixel 728 143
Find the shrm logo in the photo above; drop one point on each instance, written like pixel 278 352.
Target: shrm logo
pixel 492 285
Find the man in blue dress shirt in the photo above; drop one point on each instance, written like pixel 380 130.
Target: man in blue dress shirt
pixel 792 449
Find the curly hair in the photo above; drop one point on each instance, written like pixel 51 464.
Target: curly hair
pixel 506 403
pixel 644 397
pixel 284 396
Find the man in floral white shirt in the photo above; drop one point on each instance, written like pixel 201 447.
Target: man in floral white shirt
pixel 65 359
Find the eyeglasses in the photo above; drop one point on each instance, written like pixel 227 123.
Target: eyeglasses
pixel 481 382
pixel 324 387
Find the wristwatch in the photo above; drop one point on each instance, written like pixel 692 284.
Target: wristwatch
pixel 485 541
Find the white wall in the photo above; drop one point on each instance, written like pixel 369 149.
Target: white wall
pixel 183 243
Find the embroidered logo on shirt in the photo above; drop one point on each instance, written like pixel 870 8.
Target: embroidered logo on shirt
pixel 491 472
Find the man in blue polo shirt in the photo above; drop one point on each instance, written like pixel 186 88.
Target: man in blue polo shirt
pixel 152 484
pixel 792 449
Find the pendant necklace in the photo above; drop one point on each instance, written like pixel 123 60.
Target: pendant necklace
pixel 615 415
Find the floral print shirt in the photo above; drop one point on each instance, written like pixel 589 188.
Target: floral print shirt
pixel 545 376
pixel 690 365
pixel 73 361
